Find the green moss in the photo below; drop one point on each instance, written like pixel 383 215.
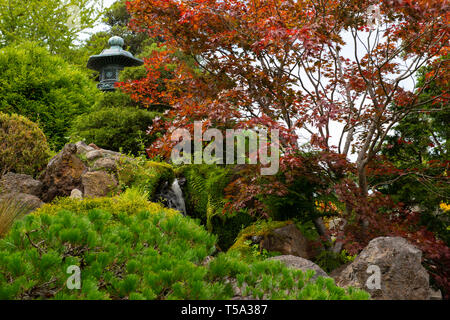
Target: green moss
pixel 261 228
pixel 148 176
pixel 132 201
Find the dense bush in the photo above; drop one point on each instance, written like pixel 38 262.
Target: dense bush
pixel 152 254
pixel 132 201
pixel 116 123
pixel 205 200
pixel 44 88
pixel 23 146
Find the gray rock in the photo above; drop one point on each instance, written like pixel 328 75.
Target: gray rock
pixel 98 184
pixel 28 202
pixel 76 194
pixel 94 154
pixel 83 148
pixel 110 153
pixel 20 183
pixel 402 276
pixel 435 295
pixel 301 264
pixel 288 240
pixel 105 164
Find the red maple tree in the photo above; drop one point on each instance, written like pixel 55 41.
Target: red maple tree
pixel 341 72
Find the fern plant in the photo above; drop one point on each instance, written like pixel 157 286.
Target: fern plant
pixel 204 193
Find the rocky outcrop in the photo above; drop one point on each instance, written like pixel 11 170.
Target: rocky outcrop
pixel 20 183
pixel 98 184
pixel 63 173
pixel 389 268
pixel 301 264
pixel 86 168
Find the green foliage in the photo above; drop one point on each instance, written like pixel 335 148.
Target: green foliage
pixel 10 210
pixel 152 254
pixel 23 146
pixel 205 200
pixel 273 280
pixel 44 88
pixel 118 18
pixel 308 229
pixel 50 23
pixel 147 176
pixel 115 124
pixel 298 203
pixel 131 201
pixel 421 141
pixel 261 228
pixel 329 261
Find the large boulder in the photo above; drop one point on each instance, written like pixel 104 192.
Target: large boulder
pixel 276 236
pixel 63 173
pixel 401 274
pixel 301 264
pixel 20 183
pixel 98 184
pixel 288 240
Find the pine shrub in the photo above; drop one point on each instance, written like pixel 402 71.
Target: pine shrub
pixel 151 254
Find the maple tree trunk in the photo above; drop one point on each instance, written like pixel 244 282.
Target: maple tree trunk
pixel 362 179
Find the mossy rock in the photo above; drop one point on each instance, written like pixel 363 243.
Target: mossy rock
pixel 260 230
pixel 149 176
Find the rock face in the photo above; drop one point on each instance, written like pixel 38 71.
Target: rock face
pixel 98 184
pixel 301 264
pixel 63 173
pixel 20 183
pixel 86 168
pixel 288 240
pixel 402 276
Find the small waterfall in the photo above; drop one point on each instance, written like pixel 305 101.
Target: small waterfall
pixel 173 197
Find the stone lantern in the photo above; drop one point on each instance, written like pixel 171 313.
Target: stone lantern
pixel 110 62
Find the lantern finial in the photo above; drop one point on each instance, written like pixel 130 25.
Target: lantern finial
pixel 116 42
